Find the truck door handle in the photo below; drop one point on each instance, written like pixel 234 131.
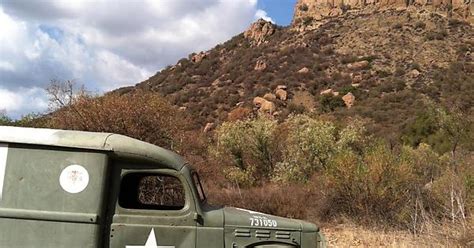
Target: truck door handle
pixel 198 218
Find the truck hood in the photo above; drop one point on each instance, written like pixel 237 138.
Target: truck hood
pixel 243 218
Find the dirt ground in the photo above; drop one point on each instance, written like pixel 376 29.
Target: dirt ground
pixel 348 235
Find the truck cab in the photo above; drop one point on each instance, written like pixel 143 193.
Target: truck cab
pixel 83 189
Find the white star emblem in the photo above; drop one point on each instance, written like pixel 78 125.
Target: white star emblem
pixel 150 242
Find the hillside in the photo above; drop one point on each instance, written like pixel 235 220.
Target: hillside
pixel 370 130
pixel 385 62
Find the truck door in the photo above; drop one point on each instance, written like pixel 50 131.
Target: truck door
pixel 154 209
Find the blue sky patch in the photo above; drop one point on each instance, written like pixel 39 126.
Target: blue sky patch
pixel 281 11
pixel 53 32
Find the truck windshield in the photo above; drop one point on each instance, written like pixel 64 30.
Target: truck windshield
pixel 198 185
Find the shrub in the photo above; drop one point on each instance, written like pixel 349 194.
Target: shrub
pixel 420 25
pixel 346 59
pixel 303 7
pixel 5 120
pixel 239 113
pixel 141 115
pixel 310 144
pixel 29 120
pixel 248 147
pixel 397 26
pixel 329 103
pixel 307 20
pixel 436 35
pixel 296 108
pixel 292 201
pixel 372 186
pixel 456 22
pixel 346 89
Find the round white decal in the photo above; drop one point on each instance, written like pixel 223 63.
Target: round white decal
pixel 74 179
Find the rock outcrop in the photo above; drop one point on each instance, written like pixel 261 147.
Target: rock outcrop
pixel 304 70
pixel 349 99
pixel 263 105
pixel 209 126
pixel 259 32
pixel 197 58
pixel 308 13
pixel 358 65
pixel 258 101
pixel 260 65
pixel 267 107
pixel 281 94
pixel 270 97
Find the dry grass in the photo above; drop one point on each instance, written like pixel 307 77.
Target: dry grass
pixel 351 235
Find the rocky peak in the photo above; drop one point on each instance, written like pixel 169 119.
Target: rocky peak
pixel 309 14
pixel 259 32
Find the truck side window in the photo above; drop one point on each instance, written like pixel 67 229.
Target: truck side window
pixel 151 191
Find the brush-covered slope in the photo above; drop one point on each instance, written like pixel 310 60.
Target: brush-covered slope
pixel 380 66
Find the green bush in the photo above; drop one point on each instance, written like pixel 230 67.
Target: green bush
pixel 248 146
pixel 310 145
pixel 329 103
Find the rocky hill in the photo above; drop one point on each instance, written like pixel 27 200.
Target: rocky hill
pixel 376 63
pixel 311 13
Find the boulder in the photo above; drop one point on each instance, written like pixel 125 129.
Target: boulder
pixel 414 73
pixel 209 126
pixel 216 82
pixel 349 99
pixel 196 77
pixel 261 65
pixel 281 94
pixel 270 97
pixel 199 57
pixel 263 105
pixel 359 65
pixel 182 108
pixel 326 92
pixel 259 32
pixel 267 107
pixel 258 101
pixel 281 86
pixel 356 79
pixel 303 70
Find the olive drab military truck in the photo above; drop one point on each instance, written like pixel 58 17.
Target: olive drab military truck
pixel 83 189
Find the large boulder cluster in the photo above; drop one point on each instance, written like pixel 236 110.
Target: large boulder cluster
pixel 266 104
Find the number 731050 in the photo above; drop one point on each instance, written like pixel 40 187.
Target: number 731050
pixel 262 222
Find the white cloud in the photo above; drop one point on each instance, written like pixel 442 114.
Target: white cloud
pixel 23 101
pixel 109 43
pixel 263 15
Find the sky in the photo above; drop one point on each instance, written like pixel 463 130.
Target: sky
pixel 107 44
